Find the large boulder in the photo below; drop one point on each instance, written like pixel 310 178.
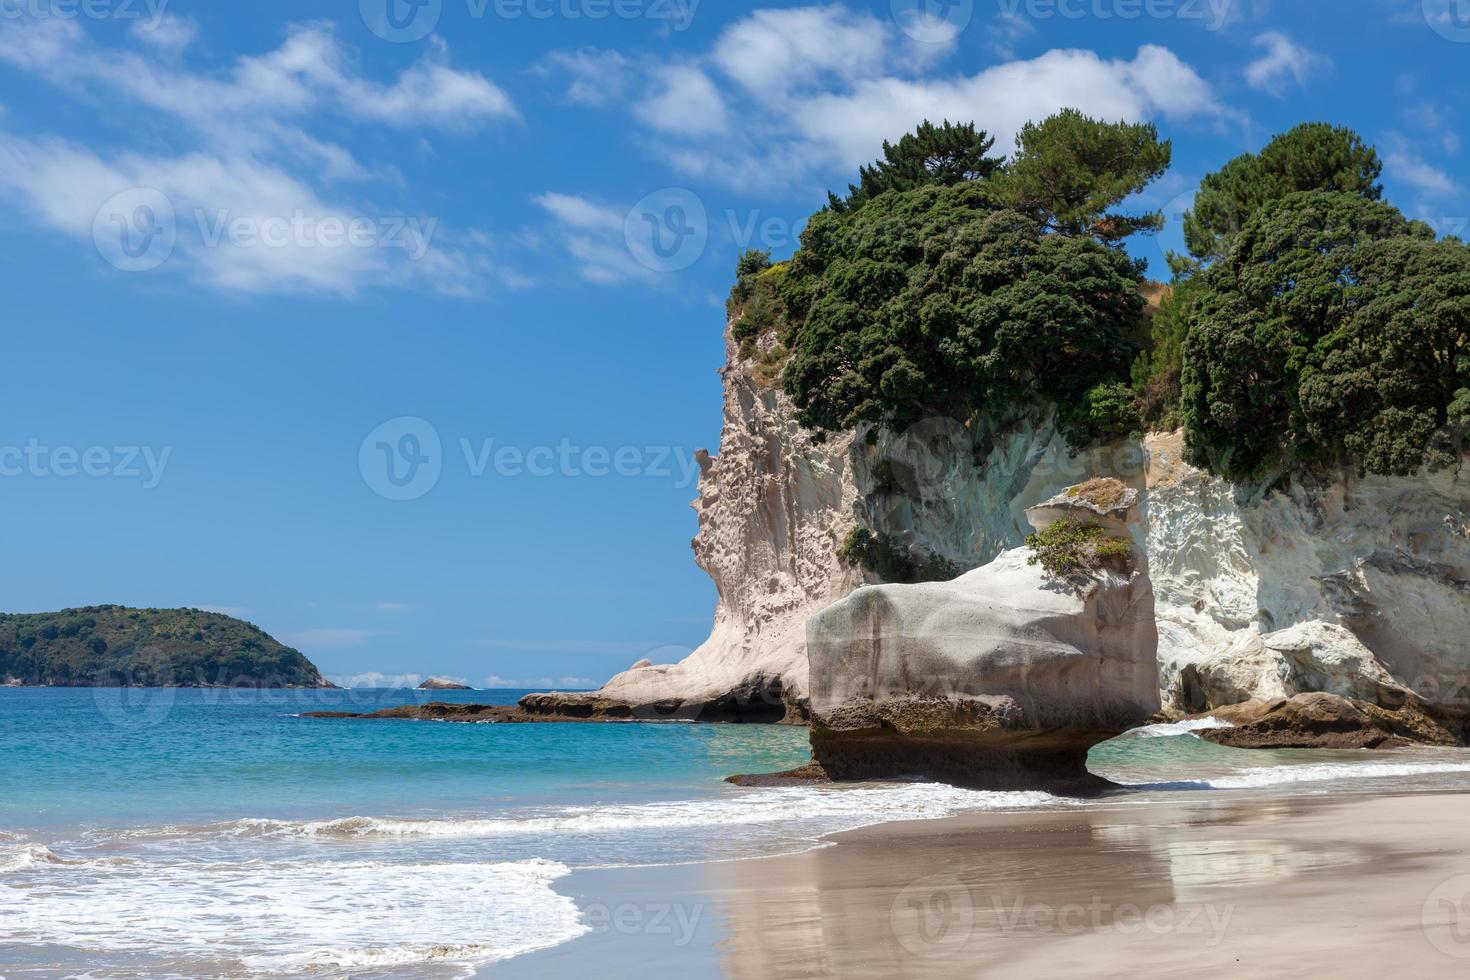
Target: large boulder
pixel 1002 678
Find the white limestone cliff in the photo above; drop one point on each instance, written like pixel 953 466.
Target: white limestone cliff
pixel 1358 587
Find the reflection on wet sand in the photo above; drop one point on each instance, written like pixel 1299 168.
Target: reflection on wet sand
pixel 1287 887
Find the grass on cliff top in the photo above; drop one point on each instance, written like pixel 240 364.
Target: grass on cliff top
pixel 1103 492
pixel 1071 548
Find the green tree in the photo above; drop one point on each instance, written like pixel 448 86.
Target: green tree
pixel 942 155
pixel 1299 338
pixel 935 302
pixel 1070 170
pixel 1310 157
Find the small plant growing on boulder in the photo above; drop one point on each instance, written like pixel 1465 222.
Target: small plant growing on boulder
pixel 877 553
pixel 1071 548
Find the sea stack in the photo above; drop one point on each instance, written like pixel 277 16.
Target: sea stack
pixel 1000 679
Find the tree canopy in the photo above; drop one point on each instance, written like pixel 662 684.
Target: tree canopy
pixel 1309 157
pixel 1070 169
pixel 1332 331
pixel 942 155
pixel 964 285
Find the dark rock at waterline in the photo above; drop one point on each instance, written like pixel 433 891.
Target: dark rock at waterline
pixel 1326 721
pixel 440 711
pixel 760 701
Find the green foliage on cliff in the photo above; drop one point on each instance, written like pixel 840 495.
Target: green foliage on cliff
pixel 1072 547
pixel 952 296
pixel 931 156
pixel 1312 326
pixel 1070 170
pixel 117 646
pixel 893 562
pixel 1310 157
pixel 1334 331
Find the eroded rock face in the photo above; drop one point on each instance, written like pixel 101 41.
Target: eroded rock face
pixel 1359 588
pixel 774 508
pixel 1319 720
pixel 1002 678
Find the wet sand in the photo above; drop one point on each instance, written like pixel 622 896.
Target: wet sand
pixel 1286 887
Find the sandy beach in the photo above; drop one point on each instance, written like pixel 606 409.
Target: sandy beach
pixel 1304 886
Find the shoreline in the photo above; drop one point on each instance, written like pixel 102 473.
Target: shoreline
pixel 1353 884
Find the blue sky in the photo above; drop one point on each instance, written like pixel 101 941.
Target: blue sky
pixel 256 253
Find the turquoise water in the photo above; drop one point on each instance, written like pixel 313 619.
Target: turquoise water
pixel 124 758
pixel 218 834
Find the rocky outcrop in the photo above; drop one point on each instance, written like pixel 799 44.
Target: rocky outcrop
pixel 443 684
pixel 774 508
pixel 1327 721
pixel 1000 679
pixel 1356 587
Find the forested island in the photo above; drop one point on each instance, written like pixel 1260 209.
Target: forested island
pixel 116 646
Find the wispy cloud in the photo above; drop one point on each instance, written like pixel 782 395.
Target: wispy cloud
pixel 246 189
pixel 1283 61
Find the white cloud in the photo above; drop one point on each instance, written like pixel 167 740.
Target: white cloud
pixel 1007 30
pixel 1414 170
pixel 820 88
pixel 844 129
pixel 1283 61
pixel 247 157
pixel 594 77
pixel 170 34
pixel 684 101
pixel 774 52
pixel 592 235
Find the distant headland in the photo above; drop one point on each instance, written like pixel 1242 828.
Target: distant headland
pixel 116 646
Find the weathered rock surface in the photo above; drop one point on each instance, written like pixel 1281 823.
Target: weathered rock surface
pixel 774 508
pixel 443 684
pixel 1002 678
pixel 1326 721
pixel 1357 587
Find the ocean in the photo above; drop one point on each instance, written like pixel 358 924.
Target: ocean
pixel 199 834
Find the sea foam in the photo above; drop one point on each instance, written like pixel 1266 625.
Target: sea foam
pixel 293 917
